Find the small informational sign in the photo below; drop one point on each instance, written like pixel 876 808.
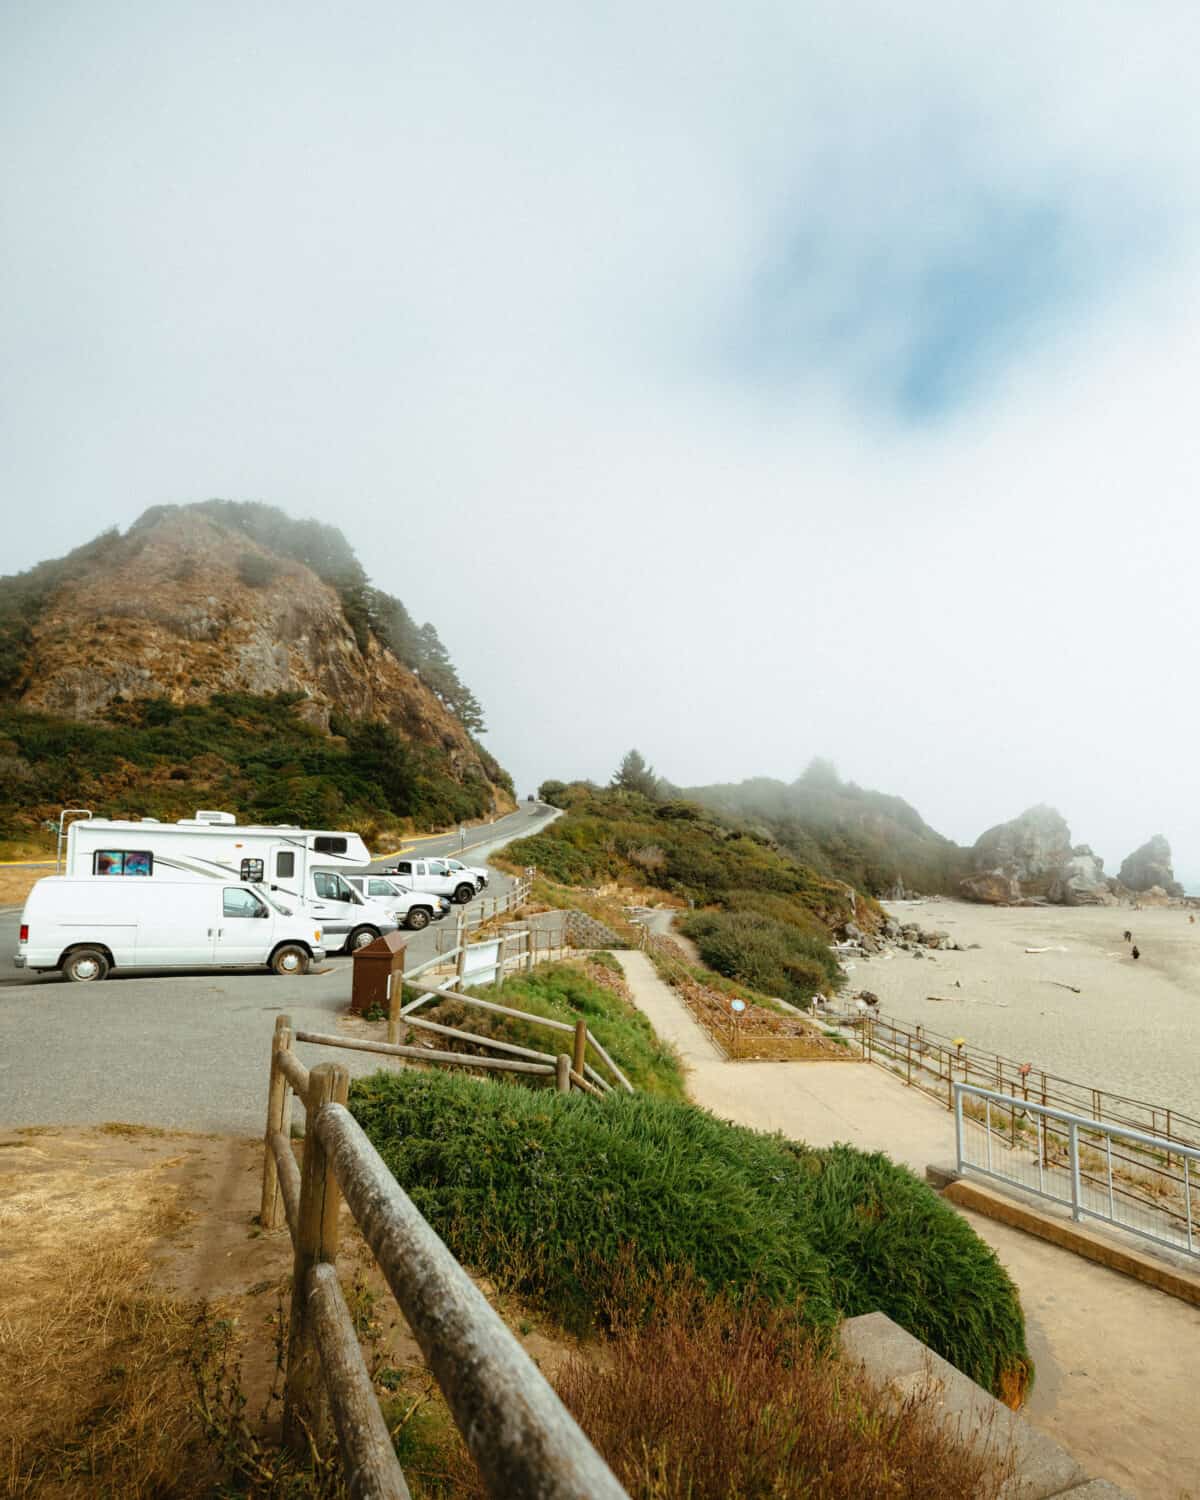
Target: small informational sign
pixel 252 871
pixel 737 1006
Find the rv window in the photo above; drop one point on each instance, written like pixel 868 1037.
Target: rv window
pixel 252 871
pixel 122 862
pixel 240 903
pixel 285 865
pixel 325 844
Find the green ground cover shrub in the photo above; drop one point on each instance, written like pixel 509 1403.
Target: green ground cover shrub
pixel 547 1194
pixel 563 992
pixel 250 752
pixel 775 957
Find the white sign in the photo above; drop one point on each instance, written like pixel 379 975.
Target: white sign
pixel 737 1006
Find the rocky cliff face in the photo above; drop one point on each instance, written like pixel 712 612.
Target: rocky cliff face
pixel 1032 858
pixel 1150 866
pixel 186 607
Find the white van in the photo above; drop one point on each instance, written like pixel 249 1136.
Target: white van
pixel 86 928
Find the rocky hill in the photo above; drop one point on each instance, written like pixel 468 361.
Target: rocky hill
pixel 879 843
pixel 199 607
pixel 1150 867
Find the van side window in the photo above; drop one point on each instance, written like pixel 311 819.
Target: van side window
pixel 123 862
pixel 325 843
pixel 381 888
pixel 241 903
pixel 285 865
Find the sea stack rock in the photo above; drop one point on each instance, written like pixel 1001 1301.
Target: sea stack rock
pixel 1021 859
pixel 1081 881
pixel 1151 866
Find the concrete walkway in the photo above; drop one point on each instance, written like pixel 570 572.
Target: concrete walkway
pixel 1116 1361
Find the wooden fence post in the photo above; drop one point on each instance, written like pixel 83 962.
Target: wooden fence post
pixel 562 1073
pixel 305 1409
pixel 395 997
pixel 579 1061
pixel 278 1118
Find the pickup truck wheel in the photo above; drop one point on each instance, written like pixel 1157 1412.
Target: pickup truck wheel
pixel 464 893
pixel 359 938
pixel 85 965
pixel 289 959
pixel 417 918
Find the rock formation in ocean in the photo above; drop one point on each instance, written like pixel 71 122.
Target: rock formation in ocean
pixel 1150 866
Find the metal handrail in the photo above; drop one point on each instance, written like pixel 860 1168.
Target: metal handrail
pixel 1092 1131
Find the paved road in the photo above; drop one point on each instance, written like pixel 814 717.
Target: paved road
pixel 186 1051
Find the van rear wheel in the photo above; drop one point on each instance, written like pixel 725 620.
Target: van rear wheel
pixel 417 918
pixel 85 965
pixel 359 938
pixel 291 958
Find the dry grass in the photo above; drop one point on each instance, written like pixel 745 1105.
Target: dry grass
pixel 708 1401
pixel 15 885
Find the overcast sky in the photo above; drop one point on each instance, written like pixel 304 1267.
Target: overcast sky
pixel 739 382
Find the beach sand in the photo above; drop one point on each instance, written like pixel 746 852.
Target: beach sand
pixel 1133 1029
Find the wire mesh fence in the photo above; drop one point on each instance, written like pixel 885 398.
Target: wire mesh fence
pixel 1145 1184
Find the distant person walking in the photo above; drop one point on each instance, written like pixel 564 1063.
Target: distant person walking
pixel 1136 954
pixel 1128 936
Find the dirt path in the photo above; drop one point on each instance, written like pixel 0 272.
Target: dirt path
pixel 1116 1360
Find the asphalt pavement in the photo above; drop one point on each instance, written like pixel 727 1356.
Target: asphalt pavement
pixel 186 1051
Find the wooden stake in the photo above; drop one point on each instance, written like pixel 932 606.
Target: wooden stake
pixel 395 996
pixel 305 1409
pixel 562 1073
pixel 581 1040
pixel 278 1118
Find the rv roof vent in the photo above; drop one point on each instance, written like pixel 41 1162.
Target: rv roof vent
pixel 224 818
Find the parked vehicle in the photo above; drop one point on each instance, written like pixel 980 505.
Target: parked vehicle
pixel 288 861
pixel 86 928
pixel 456 867
pixel 433 875
pixel 412 909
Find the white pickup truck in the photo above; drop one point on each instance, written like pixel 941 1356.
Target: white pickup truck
pixel 412 909
pixel 477 872
pixel 434 876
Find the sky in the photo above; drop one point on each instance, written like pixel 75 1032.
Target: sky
pixel 744 383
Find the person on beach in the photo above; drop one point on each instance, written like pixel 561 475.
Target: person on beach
pixel 1128 936
pixel 1136 954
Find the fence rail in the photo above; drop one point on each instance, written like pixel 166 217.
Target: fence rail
pixel 1121 1176
pixel 935 1063
pixel 522 1438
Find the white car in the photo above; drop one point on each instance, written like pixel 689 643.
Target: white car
pixel 412 909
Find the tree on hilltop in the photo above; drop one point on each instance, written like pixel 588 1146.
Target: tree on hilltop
pixel 634 775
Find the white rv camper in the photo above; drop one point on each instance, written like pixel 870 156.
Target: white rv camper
pixel 298 864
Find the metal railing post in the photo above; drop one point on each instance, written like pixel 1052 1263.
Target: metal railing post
pixel 305 1410
pixel 958 1127
pixel 1073 1162
pixel 278 1118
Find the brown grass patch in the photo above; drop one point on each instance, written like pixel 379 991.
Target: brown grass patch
pixel 708 1401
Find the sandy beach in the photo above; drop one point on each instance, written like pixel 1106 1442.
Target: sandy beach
pixel 1133 1028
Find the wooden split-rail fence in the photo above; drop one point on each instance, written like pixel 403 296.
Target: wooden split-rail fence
pixel 521 1437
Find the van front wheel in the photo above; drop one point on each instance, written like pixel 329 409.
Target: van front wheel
pixel 291 958
pixel 359 938
pixel 85 965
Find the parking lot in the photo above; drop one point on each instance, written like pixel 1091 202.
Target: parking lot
pixel 183 1051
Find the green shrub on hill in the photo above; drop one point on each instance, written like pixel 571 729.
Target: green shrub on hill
pixel 547 1194
pixel 238 750
pixel 563 992
pixel 765 953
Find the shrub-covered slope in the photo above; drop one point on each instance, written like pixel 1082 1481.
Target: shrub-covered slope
pixel 548 1194
pixel 768 918
pixel 873 840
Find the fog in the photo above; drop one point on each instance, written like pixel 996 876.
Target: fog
pixel 742 383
